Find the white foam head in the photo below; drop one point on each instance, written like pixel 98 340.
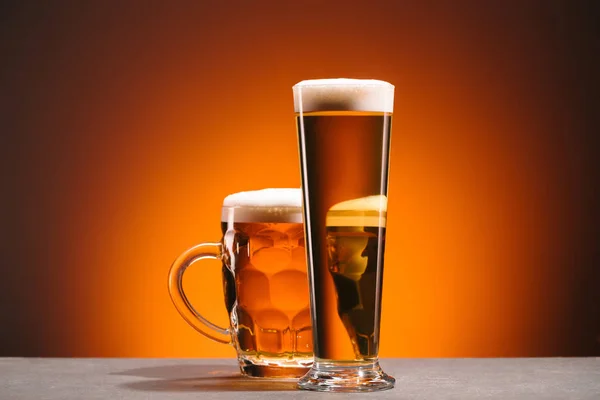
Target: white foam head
pixel 265 205
pixel 363 211
pixel 343 94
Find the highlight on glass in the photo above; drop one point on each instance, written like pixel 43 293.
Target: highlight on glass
pixel 344 130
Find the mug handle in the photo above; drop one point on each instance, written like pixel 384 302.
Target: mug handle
pixel 203 251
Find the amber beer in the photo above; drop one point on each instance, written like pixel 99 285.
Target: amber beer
pixel 344 128
pixel 264 280
pixel 345 166
pixel 266 288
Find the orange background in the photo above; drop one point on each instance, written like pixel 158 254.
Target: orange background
pixel 129 122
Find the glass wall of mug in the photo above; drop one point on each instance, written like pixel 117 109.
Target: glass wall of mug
pixel 265 283
pixel 344 130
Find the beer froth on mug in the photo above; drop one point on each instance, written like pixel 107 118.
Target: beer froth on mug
pixel 265 283
pixel 344 130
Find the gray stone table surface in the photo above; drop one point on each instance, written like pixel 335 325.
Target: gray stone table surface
pixel 113 378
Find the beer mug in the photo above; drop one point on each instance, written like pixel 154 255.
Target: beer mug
pixel 344 128
pixel 265 283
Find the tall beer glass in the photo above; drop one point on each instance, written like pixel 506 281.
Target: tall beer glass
pixel 344 128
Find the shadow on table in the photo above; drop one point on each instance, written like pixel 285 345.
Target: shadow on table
pixel 181 371
pixel 200 378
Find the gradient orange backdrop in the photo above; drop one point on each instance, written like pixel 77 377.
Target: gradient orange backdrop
pixel 129 122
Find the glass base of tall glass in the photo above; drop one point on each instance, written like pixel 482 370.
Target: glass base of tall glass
pixel 354 377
